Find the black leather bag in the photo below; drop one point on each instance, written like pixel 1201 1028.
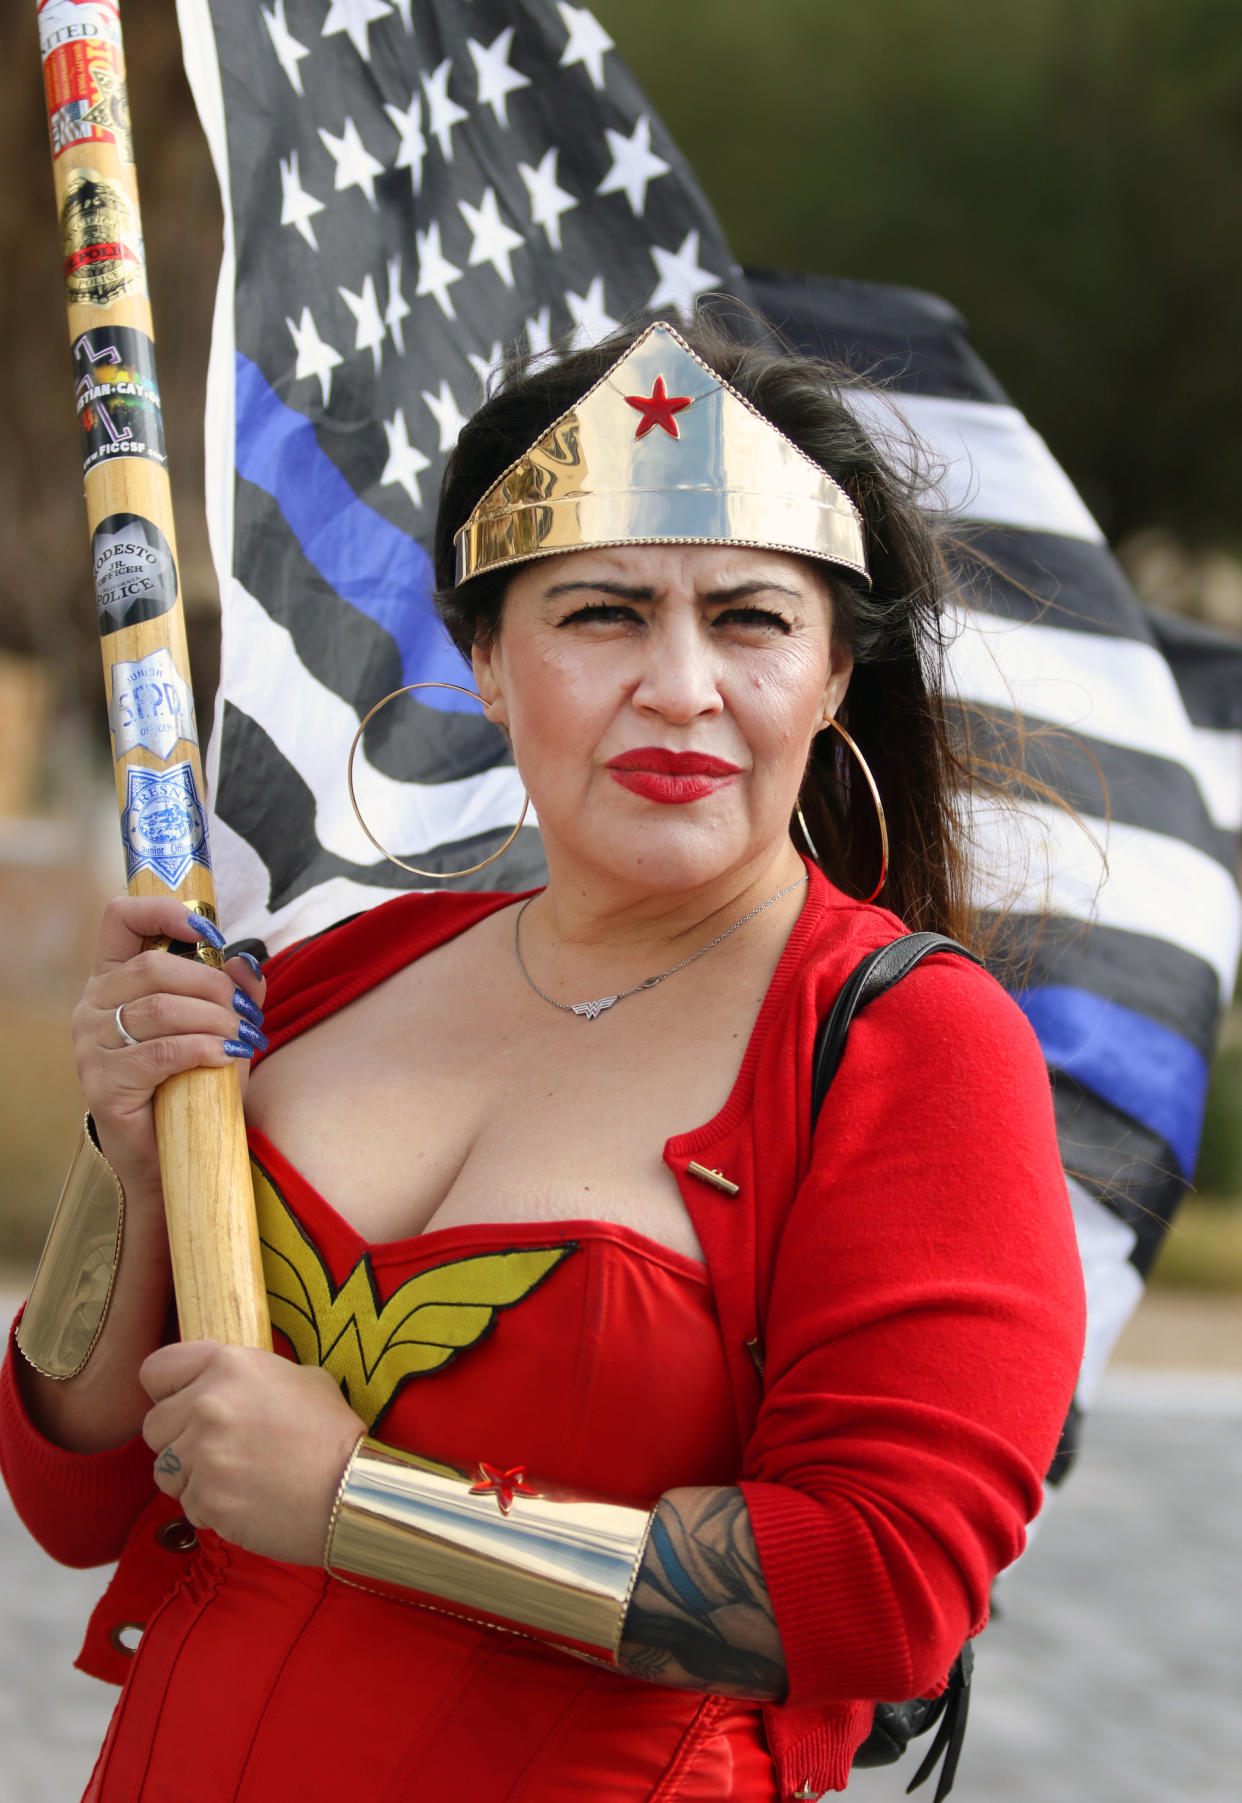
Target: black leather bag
pixel 895 1725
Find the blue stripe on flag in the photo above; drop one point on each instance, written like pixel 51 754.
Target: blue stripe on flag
pixel 1131 1062
pixel 372 564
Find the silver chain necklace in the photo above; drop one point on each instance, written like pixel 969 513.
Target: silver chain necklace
pixel 593 1010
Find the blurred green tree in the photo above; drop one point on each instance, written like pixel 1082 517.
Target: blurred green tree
pixel 1219 1172
pixel 1068 172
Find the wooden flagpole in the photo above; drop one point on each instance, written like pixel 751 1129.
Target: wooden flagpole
pixel 208 1196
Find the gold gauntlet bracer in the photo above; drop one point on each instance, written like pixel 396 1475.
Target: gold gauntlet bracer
pixel 498 1551
pixel 69 1298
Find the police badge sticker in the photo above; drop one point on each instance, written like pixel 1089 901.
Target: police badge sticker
pixel 84 74
pixel 135 574
pixel 101 242
pixel 150 706
pixel 163 824
pixel 117 396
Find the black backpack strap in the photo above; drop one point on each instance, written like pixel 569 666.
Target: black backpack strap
pixel 895 1724
pixel 877 972
pixel 952 1730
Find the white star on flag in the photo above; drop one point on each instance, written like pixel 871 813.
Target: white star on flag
pixel 356 18
pixel 355 166
pixel 547 200
pixel 371 329
pixel 449 416
pixel 297 207
pixel 405 461
pixel 497 80
pixel 436 274
pixel 681 280
pixel 539 334
pixel 588 42
pixel 288 51
pixel 634 164
pixel 403 7
pixel 485 367
pixel 443 113
pixel 398 309
pixel 494 241
pixel 315 358
pixel 413 146
pixel 591 319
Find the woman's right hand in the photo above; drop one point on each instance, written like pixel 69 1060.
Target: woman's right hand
pixel 184 1015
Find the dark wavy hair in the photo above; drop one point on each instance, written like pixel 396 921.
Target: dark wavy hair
pixel 893 709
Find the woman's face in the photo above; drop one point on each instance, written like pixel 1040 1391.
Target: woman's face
pixel 662 700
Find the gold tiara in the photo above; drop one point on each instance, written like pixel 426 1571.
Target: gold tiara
pixel 661 451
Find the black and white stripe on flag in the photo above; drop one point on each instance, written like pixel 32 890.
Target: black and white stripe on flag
pixel 411 185
pixel 1120 934
pixel 408 188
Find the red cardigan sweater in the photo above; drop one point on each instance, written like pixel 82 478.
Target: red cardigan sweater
pixel 909 1281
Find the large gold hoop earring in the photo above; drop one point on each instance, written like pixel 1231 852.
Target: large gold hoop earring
pixel 865 767
pixel 439 876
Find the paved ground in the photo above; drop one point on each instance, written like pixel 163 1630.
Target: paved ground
pixel 1110 1677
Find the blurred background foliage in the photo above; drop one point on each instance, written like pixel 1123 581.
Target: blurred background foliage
pixel 1067 172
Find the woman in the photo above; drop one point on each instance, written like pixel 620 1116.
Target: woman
pixel 816 1379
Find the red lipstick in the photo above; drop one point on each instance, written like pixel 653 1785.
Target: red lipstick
pixel 670 776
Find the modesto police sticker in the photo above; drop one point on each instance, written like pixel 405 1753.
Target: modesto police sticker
pixel 135 575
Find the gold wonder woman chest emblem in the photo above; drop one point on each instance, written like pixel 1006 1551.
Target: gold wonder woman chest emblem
pixel 373 1348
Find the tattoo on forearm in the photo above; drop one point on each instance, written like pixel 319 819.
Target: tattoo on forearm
pixel 168 1464
pixel 700 1617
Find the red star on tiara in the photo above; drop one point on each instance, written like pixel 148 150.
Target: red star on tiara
pixel 503 1485
pixel 657 409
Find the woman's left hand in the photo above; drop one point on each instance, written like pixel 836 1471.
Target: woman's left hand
pixel 252 1445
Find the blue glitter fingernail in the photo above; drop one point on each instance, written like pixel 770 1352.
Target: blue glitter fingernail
pixel 252 1035
pixel 248 1010
pixel 205 930
pixel 237 1048
pixel 250 959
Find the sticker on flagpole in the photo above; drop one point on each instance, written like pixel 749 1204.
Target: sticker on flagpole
pixel 117 396
pixel 61 21
pixel 163 824
pixel 150 705
pixel 84 75
pixel 135 572
pixel 102 245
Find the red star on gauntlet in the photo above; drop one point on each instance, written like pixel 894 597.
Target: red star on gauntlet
pixel 503 1485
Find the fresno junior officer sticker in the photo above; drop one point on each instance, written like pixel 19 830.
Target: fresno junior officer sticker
pixel 163 824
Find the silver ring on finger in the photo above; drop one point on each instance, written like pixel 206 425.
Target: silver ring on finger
pixel 126 1036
